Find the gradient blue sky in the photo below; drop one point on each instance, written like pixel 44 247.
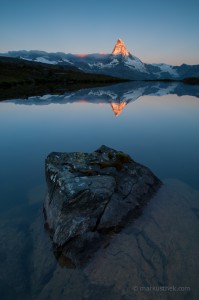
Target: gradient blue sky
pixel 154 30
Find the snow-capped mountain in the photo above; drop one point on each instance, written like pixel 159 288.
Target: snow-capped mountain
pixel 120 48
pixel 120 63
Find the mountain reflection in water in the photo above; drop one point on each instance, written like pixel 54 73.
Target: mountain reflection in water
pixel 118 95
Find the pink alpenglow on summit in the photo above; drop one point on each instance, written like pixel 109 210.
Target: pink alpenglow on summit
pixel 120 48
pixel 118 107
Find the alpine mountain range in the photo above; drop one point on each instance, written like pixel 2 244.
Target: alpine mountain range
pixel 120 63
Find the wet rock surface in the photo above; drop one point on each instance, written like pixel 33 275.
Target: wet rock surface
pixel 90 195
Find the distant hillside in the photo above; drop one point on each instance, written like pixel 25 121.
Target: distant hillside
pixel 15 71
pixel 191 80
pixel 24 78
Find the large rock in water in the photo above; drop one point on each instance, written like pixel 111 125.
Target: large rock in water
pixel 90 194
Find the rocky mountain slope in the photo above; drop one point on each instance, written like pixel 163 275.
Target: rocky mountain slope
pixel 120 63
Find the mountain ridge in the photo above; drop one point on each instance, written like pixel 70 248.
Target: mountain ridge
pixel 120 63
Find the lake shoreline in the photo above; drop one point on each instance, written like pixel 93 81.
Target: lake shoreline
pixel 23 79
pixel 25 90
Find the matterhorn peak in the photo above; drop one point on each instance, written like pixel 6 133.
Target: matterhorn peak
pixel 118 107
pixel 120 48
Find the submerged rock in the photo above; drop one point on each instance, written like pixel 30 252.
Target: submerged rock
pixel 92 194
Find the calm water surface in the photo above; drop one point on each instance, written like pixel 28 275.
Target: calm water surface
pixel 158 126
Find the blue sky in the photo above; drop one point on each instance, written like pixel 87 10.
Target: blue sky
pixel 154 30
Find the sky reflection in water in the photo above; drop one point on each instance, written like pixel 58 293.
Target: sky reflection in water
pixel 160 132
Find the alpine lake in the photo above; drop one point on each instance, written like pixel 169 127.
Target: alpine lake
pixel 156 256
